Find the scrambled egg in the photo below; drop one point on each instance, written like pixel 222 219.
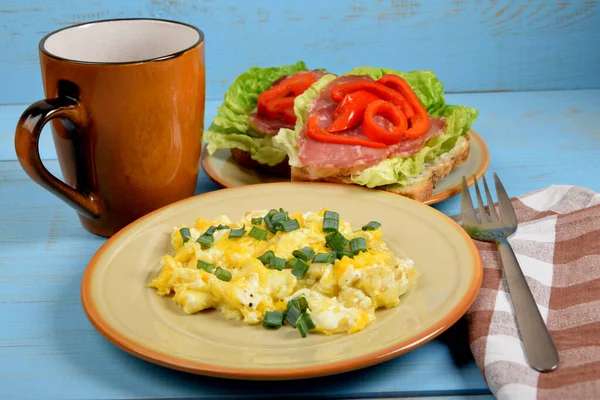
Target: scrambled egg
pixel 342 296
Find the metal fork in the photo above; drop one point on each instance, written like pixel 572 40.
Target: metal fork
pixel 490 227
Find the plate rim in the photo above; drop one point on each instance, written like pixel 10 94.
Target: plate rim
pixel 200 368
pixel 214 176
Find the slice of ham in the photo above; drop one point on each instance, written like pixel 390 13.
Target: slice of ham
pixel 272 126
pixel 329 155
pixel 266 125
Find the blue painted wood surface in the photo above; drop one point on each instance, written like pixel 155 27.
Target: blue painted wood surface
pixel 535 139
pixel 474 45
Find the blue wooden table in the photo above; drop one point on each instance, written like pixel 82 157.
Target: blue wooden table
pixel 530 67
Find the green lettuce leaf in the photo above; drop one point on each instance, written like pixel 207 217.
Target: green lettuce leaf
pixel 397 170
pixel 261 149
pixel 231 126
pixel 400 169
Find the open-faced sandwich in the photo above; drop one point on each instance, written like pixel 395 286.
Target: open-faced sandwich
pixel 257 105
pixel 377 128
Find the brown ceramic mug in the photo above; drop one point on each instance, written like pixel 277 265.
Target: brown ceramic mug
pixel 125 99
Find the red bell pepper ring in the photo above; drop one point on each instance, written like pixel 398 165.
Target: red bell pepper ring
pixel 265 97
pixel 290 87
pixel 350 111
pixel 383 92
pixel 315 132
pixel 392 113
pixel 281 107
pixel 300 82
pixel 419 125
pixel 289 115
pixel 420 121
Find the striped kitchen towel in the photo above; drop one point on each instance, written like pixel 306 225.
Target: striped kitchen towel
pixel 557 244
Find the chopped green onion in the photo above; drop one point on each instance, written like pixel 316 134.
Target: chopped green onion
pixel 330 225
pixel 279 221
pixel 292 262
pixel 336 241
pixel 279 218
pixel 256 221
pixel 265 258
pixel 371 226
pixel 300 269
pixel 302 304
pixel 292 314
pixel 277 263
pixel 237 233
pixel 325 258
pixel 341 254
pixel 273 319
pixel 304 324
pixel 357 245
pixel 257 233
pixel 290 225
pixel 208 267
pixel 331 215
pixel 272 212
pixel 205 240
pixel 305 253
pixel 210 231
pixel 221 226
pixel 185 234
pixel 292 302
pixel 269 224
pixel 223 274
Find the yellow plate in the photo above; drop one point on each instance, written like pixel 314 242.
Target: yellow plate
pixel 225 172
pixel 118 303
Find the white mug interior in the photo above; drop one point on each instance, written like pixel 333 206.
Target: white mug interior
pixel 121 41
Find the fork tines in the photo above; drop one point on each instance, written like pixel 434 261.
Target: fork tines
pixel 468 213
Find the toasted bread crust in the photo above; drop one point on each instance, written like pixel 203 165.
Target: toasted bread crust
pixel 421 189
pixel 244 159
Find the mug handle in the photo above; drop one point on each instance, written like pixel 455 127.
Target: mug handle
pixel 27 138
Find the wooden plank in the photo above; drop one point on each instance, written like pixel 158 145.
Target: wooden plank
pixel 473 45
pixel 10 114
pixel 46 336
pixel 474 397
pixel 535 139
pixel 529 120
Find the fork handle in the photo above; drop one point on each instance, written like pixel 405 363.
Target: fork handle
pixel 539 347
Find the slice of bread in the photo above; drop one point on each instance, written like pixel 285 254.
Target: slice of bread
pixel 244 159
pixel 419 188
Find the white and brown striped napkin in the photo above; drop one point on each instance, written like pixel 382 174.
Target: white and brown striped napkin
pixel 557 244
